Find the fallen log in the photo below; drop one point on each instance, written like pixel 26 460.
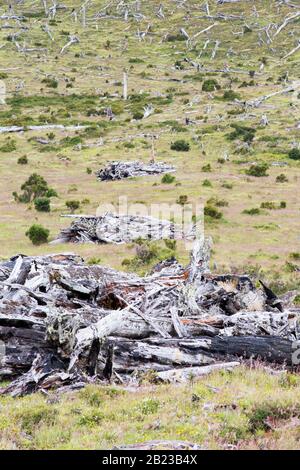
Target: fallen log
pixel 119 170
pixel 114 228
pixel 190 373
pixel 64 323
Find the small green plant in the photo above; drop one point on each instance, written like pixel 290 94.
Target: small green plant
pixel 212 212
pixel 182 200
pixel 214 201
pixel 23 160
pixel 42 204
pixel 253 211
pixel 259 170
pixel 89 171
pixel 230 95
pixel 93 260
pixel 227 185
pixel 294 154
pixel 210 85
pixel 168 179
pixel 73 205
pixel 180 146
pixel 9 146
pixel 206 183
pixel 50 82
pixel 37 234
pixel 148 406
pixel 34 187
pixel 206 168
pixel 282 178
pixel 242 132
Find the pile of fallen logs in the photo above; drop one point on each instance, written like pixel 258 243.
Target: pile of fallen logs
pixel 119 170
pixel 64 323
pixel 115 228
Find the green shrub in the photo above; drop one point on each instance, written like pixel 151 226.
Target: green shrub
pixel 253 211
pixel 241 132
pixel 23 160
pixel 129 145
pixel 294 154
pixel 136 60
pixel 282 178
pixel 210 85
pixel 206 168
pixel 258 170
pixel 138 115
pixel 148 406
pixel 182 200
pixel 207 183
pixel 9 146
pixel 73 205
pixel 50 82
pixel 42 204
pixel 180 146
pixel 175 37
pixel 230 95
pixel 51 193
pixel 37 234
pixel 168 179
pixel 227 185
pixel 212 212
pixel 36 186
pixel 214 201
pixel 71 141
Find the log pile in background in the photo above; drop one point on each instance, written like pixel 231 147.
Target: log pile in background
pixel 115 228
pixel 118 170
pixel 64 323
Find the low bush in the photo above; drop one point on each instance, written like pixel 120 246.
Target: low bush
pixel 73 205
pixel 37 234
pixel 212 212
pixel 168 179
pixel 210 85
pixel 294 154
pixel 42 204
pixel 180 146
pixel 258 170
pixel 23 160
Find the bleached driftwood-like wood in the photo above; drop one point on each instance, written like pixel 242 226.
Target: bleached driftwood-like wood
pixel 292 51
pixel 72 40
pixel 188 374
pixel 258 101
pixel 125 85
pixel 287 20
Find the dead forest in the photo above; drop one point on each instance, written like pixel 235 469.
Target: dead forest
pixel 66 323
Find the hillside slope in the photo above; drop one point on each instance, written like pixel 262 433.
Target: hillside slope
pixel 201 67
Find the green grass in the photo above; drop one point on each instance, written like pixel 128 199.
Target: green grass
pixel 247 409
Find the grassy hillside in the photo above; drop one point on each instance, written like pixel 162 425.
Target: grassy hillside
pixel 236 53
pixel 76 86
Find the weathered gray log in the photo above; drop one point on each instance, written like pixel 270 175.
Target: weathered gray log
pixel 187 374
pixel 119 169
